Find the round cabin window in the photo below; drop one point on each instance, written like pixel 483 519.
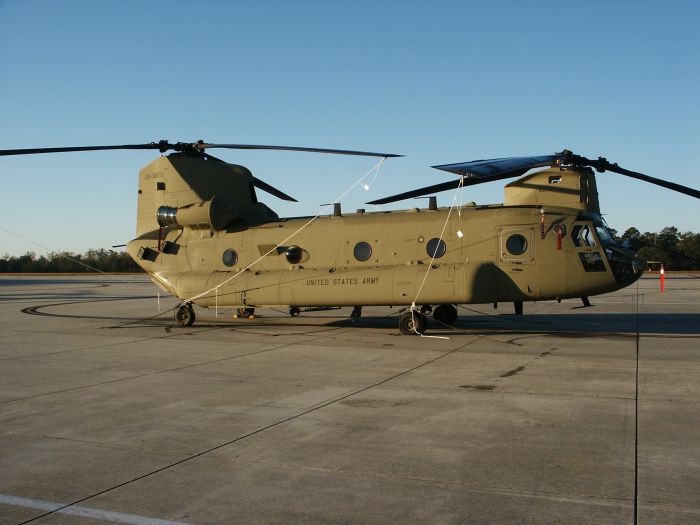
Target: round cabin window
pixel 436 248
pixel 230 257
pixel 362 251
pixel 516 244
pixel 293 254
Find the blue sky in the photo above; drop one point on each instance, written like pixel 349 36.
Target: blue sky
pixel 440 82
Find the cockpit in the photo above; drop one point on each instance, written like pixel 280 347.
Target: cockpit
pixel 598 251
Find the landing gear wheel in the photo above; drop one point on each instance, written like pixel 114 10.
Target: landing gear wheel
pixel 518 307
pixel 294 311
pixel 246 312
pixel 184 315
pixel 426 309
pixel 356 313
pixel 445 314
pixel 411 322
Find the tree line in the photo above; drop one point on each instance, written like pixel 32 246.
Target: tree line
pixel 676 250
pixel 68 262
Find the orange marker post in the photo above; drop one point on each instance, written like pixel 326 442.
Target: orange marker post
pixel 661 278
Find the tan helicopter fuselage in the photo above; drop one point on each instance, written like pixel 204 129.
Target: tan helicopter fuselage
pixel 222 248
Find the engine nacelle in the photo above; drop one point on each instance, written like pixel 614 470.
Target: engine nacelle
pixel 214 214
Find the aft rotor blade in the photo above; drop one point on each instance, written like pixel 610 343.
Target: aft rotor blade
pixel 259 183
pixel 444 186
pixel 652 180
pixel 192 147
pixel 272 190
pixel 31 151
pixel 295 148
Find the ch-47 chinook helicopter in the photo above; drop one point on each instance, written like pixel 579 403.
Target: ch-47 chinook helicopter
pixel 202 235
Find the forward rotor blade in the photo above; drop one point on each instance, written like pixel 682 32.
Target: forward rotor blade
pixel 652 180
pixel 31 151
pixel 489 167
pixel 479 172
pixel 295 148
pixel 272 190
pixel 444 186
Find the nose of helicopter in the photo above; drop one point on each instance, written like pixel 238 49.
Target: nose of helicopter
pixel 626 266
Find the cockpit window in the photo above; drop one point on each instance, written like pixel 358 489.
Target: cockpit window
pixel 582 236
pixel 592 262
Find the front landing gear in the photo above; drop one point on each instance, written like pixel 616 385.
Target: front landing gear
pixel 412 322
pixel 445 314
pixel 184 314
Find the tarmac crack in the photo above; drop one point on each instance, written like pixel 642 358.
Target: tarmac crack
pixel 259 430
pixel 470 487
pixel 139 376
pixel 109 445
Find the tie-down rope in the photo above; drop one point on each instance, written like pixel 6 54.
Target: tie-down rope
pixel 432 260
pixel 375 170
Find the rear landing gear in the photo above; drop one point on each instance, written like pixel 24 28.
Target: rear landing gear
pixel 246 312
pixel 356 313
pixel 412 322
pixel 184 314
pixel 518 307
pixel 294 311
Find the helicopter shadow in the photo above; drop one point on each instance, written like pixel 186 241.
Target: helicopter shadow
pixel 561 324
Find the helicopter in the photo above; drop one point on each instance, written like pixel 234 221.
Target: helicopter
pixel 203 236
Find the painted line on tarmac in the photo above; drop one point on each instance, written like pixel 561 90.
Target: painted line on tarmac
pixel 84 512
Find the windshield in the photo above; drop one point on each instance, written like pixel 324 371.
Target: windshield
pixel 604 234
